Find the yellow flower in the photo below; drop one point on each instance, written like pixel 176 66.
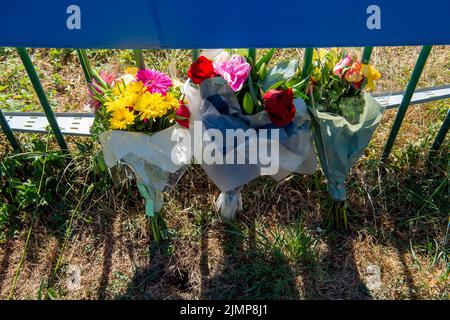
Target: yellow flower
pixel 326 58
pixel 121 102
pixel 119 88
pixel 151 105
pixel 319 54
pixel 135 88
pixel 113 105
pixel 332 58
pixel 171 100
pixel 316 75
pixel 121 118
pixel 131 70
pixel 371 74
pixel 125 96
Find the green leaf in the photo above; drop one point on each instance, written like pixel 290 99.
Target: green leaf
pixel 100 162
pixel 252 91
pixel 299 94
pixel 262 72
pixel 99 79
pixel 51 294
pixel 250 61
pixel 276 85
pixel 282 72
pixel 265 59
pixel 248 103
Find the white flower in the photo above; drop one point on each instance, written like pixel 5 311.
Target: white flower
pixel 127 78
pixel 216 55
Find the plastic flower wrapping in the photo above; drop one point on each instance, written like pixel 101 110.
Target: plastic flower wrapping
pixel 272 112
pixel 139 117
pixel 337 82
pixel 230 91
pixel 344 115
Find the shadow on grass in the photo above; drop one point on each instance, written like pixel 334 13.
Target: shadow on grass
pixel 337 275
pixel 258 261
pixel 410 207
pixel 108 250
pixel 145 283
pixel 422 215
pixel 252 267
pixel 5 262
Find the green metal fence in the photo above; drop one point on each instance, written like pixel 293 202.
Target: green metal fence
pixel 89 74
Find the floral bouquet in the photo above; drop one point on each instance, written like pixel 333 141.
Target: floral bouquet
pixel 344 119
pixel 229 92
pixel 138 119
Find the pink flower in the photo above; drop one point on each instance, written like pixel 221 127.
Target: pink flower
pixel 235 71
pixel 155 81
pixel 109 78
pixel 346 62
pixel 94 104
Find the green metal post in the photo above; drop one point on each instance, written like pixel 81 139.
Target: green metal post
pixel 42 97
pixel 139 58
pixel 195 54
pixel 421 60
pixel 307 61
pixel 441 134
pixel 8 132
pixel 366 55
pixel 85 64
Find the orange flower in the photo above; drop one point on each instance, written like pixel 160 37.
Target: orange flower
pixel 354 75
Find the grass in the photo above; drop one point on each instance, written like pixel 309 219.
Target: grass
pixel 60 214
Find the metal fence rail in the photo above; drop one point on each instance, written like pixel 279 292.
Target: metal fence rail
pixel 70 124
pixel 79 124
pixel 422 95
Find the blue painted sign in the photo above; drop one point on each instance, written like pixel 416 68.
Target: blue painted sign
pixel 219 24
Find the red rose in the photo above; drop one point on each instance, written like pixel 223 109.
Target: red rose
pixel 182 115
pixel 280 106
pixel 200 70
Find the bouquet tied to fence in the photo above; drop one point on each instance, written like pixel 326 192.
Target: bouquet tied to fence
pixel 345 117
pixel 230 91
pixel 139 117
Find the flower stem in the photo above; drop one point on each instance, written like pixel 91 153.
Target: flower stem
pixel 337 215
pixel 252 55
pixel 158 228
pixel 195 54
